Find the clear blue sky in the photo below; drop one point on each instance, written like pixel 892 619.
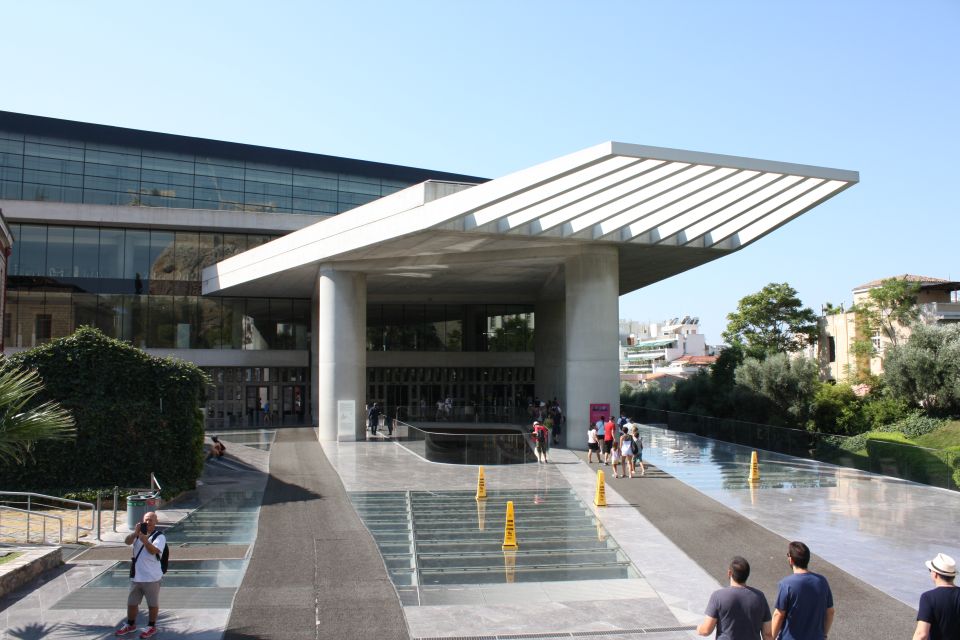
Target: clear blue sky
pixel 486 88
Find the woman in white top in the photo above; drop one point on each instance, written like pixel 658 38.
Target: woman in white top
pixel 593 444
pixel 626 450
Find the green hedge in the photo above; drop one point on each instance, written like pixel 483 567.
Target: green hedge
pixel 135 414
pixel 894 454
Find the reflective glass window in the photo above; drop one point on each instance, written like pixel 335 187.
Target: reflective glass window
pixel 111 253
pixel 135 314
pixel 110 314
pixel 84 309
pixel 11 190
pixel 187 265
pixel 259 332
pixel 86 252
pixel 216 184
pixel 161 327
pixel 31 248
pixel 233 243
pixel 108 157
pixel 209 335
pixel 60 252
pixel 186 322
pixel 52 178
pixel 52 151
pixel 164 164
pixel 58 306
pixel 232 322
pixel 208 246
pixel 136 258
pixel 301 324
pixel 130 175
pixel 52 165
pixel 162 261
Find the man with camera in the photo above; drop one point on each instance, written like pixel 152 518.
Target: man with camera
pixel 145 574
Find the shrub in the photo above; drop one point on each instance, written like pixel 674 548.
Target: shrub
pixel 916 424
pixel 880 409
pixel 838 410
pixel 134 414
pixel 926 370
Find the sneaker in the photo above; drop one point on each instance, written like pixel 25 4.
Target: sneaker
pixel 149 632
pixel 125 629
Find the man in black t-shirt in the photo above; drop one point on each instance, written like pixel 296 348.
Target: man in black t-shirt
pixel 938 617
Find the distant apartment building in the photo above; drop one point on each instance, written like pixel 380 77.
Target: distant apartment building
pixel 938 303
pixel 673 346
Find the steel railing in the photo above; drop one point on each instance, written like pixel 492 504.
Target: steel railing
pixel 45 516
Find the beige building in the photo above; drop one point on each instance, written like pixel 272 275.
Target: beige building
pixel 937 301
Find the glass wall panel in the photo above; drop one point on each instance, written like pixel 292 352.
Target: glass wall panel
pixel 209 335
pixel 136 258
pixel 60 252
pixel 84 310
pixel 233 244
pixel 187 256
pixel 111 253
pixel 374 327
pixel 59 306
pixel 301 324
pixel 31 251
pixel 433 336
pixel 161 328
pixel 208 248
pixel 86 252
pixel 110 314
pixel 233 323
pixel 454 327
pixel 135 315
pixel 162 260
pixel 281 311
pixel 29 306
pixel 187 322
pixel 259 331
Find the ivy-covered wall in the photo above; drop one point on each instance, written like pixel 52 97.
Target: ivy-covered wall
pixel 135 414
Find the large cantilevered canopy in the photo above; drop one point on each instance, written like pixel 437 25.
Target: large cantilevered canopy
pixel 665 210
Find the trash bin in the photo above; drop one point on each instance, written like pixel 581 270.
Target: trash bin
pixel 137 506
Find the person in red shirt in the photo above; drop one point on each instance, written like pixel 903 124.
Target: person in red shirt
pixel 609 433
pixel 540 436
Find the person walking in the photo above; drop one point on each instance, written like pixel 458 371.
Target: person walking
pixel 938 617
pixel 737 612
pixel 540 436
pixel 638 450
pixel 146 574
pixel 373 417
pixel 609 435
pixel 804 606
pixel 593 444
pixel 626 452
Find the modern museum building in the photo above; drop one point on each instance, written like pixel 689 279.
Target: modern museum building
pixel 309 285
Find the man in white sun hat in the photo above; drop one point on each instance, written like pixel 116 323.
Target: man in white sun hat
pixel 938 617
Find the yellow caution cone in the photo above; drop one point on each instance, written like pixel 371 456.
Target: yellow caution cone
pixel 600 499
pixel 481 513
pixel 481 486
pixel 510 530
pixel 754 468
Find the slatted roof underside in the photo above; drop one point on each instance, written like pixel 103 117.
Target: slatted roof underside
pixel 651 201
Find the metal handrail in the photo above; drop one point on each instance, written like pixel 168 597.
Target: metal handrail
pixel 42 515
pixel 30 496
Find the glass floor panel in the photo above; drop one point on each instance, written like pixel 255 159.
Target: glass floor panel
pixel 448 537
pixel 181 573
pixel 230 518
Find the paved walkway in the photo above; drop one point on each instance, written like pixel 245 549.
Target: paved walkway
pixel 314 571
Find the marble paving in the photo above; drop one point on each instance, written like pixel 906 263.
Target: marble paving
pixel 671 592
pixel 878 528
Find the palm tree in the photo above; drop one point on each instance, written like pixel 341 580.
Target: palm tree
pixel 21 425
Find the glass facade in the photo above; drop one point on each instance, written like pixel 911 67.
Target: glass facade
pixel 253 397
pixel 438 327
pixel 141 286
pixel 53 169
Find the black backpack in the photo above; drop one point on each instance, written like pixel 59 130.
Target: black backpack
pixel 635 446
pixel 164 556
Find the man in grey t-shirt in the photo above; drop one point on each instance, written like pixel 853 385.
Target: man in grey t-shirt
pixel 737 612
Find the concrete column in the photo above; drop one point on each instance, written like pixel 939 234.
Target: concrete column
pixel 549 350
pixel 340 326
pixel 591 319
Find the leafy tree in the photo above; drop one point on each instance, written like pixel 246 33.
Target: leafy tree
pixel 925 371
pixel 23 422
pixel 515 334
pixel 837 410
pixel 890 307
pixel 772 320
pixel 788 383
